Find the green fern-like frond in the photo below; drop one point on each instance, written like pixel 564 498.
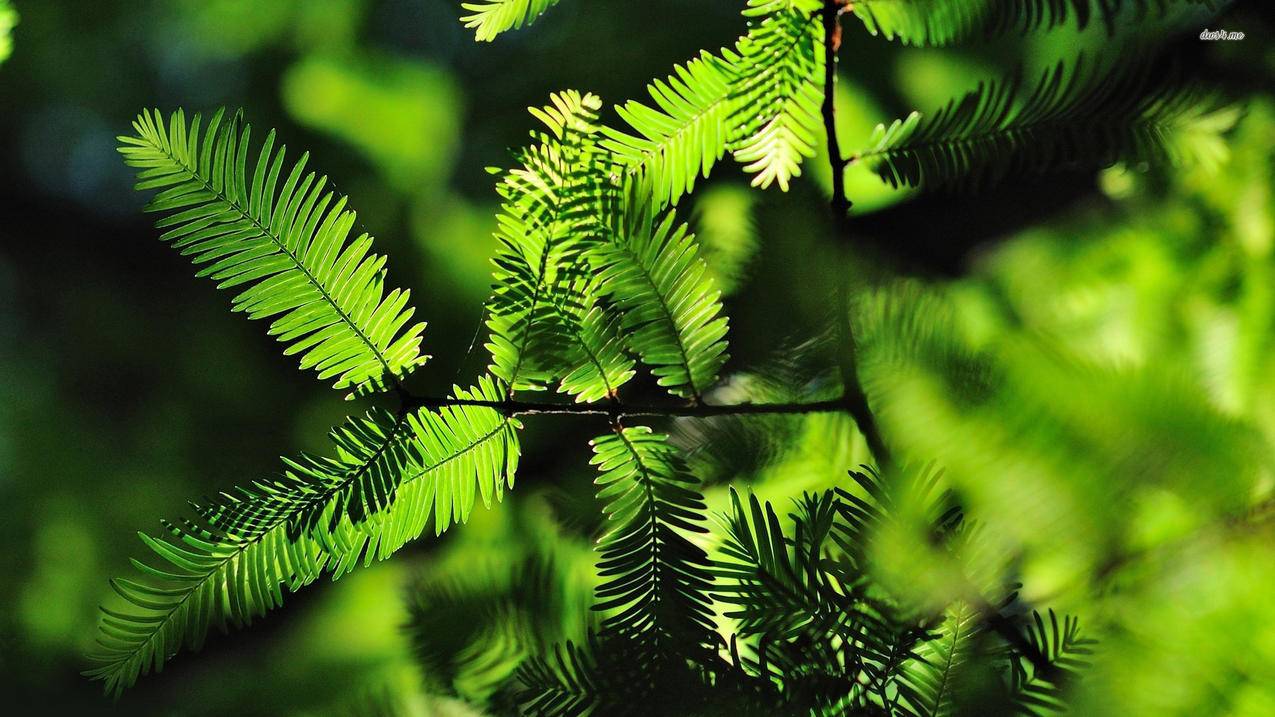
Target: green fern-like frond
pixel 489 18
pixel 651 504
pixel 929 684
pixel 317 492
pixel 233 563
pixel 597 364
pixel 654 591
pixel 776 97
pixel 563 683
pixel 550 211
pixel 777 584
pixel 759 100
pixel 941 22
pixel 375 456
pixel 286 248
pixel 683 135
pixel 471 630
pixel 820 632
pixel 655 581
pixel 1073 117
pixel 672 311
pixel 1066 650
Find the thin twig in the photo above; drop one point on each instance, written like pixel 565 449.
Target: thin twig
pixel 615 409
pixel 855 400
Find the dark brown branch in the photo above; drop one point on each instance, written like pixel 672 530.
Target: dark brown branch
pixel 616 410
pixel 831 17
pixel 855 400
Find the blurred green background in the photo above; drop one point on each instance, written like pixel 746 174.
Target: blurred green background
pixel 1092 364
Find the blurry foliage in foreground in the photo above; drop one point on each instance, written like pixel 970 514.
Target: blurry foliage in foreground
pixel 8 18
pixel 1098 392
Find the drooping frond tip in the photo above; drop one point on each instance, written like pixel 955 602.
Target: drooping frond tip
pixel 758 100
pixel 1075 116
pixel 776 97
pixel 489 18
pixel 286 248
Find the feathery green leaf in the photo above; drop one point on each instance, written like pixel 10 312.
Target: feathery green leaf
pixel 233 564
pixel 489 18
pixel 759 100
pixel 285 247
pixel 776 97
pixel 671 308
pixel 683 135
pixel 552 209
pixel 655 580
pixel 940 22
pixel 1073 117
pixel 1035 693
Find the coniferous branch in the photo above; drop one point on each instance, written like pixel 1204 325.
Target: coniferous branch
pixel 941 22
pixel 780 586
pixel 490 18
pixel 819 632
pixel 658 618
pixel 684 135
pixel 596 363
pixel 621 409
pixel 1075 116
pixel 317 492
pixel 232 563
pixel 570 238
pixel 286 247
pixel 655 581
pixel 776 95
pixel 590 265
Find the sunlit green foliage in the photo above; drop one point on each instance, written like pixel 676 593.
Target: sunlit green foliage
pixel 1040 444
pixel 288 244
pixel 232 563
pixel 489 18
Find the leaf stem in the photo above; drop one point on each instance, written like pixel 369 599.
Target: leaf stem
pixel 854 400
pixel 616 410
